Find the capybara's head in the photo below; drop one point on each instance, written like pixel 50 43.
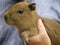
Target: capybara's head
pixel 20 11
pixel 21 14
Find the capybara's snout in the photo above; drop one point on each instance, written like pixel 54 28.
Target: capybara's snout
pixel 5 18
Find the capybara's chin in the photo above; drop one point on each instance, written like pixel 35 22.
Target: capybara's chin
pixel 24 17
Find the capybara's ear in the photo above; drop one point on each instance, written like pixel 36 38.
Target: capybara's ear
pixel 32 6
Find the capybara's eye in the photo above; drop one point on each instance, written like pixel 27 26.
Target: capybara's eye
pixel 20 11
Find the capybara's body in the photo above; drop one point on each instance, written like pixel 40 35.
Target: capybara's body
pixel 23 16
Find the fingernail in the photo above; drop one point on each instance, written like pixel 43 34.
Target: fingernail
pixel 39 21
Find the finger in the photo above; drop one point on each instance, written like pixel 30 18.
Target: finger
pixel 35 39
pixel 41 27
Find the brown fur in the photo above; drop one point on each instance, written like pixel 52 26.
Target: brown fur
pixel 27 22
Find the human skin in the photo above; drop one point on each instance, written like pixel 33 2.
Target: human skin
pixel 42 38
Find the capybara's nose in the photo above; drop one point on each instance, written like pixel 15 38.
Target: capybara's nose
pixel 5 17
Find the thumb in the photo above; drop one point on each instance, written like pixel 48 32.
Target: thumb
pixel 41 27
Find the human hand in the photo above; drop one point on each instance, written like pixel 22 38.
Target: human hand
pixel 42 38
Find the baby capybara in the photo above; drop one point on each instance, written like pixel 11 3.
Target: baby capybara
pixel 24 17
